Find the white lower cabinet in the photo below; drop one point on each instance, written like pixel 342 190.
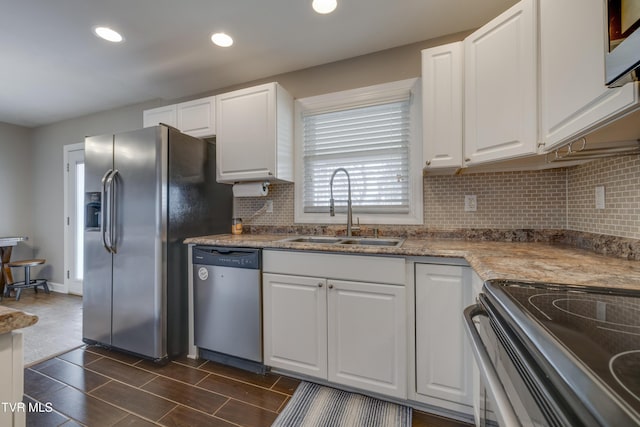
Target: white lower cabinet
pixel 295 323
pixel 366 336
pixel 348 332
pixel 479 409
pixel 12 374
pixel 444 363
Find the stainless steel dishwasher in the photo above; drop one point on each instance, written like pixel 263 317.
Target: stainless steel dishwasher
pixel 228 302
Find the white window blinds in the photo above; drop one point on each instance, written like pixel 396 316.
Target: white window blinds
pixel 372 143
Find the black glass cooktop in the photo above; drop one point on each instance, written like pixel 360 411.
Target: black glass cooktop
pixel 599 327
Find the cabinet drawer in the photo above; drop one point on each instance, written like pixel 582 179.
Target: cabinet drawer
pixel 361 268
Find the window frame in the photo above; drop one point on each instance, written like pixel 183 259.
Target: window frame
pixel 353 98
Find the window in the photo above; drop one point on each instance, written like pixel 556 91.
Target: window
pixel 373 133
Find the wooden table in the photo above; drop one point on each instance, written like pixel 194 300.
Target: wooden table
pixel 6 246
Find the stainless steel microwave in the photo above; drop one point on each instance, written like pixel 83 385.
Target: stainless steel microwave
pixel 623 56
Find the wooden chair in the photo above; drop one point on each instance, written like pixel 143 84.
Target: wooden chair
pixel 28 282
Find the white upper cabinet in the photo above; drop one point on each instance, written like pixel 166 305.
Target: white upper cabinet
pixel 195 118
pixel 255 134
pixel 442 86
pixel 574 98
pixel 500 79
pixel 167 115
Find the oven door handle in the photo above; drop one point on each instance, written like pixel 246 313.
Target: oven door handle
pixel 503 406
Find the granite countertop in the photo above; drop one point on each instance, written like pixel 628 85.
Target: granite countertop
pixel 11 319
pixel 10 241
pixel 528 261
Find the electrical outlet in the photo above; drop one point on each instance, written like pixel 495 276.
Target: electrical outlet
pixel 470 203
pixel 600 197
pixel 269 205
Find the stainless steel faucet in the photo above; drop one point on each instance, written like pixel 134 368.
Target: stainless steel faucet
pixel 332 209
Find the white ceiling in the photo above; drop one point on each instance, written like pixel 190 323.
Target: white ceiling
pixel 53 68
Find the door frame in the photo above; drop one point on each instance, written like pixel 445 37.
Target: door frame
pixel 67 232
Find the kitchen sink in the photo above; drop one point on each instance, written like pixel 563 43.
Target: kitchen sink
pixel 373 242
pixel 345 241
pixel 313 239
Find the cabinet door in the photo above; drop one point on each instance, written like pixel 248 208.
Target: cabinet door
pixel 246 134
pixel 442 106
pixel 197 118
pixel 295 323
pixel 12 374
pixel 477 391
pixel 574 98
pixel 443 358
pixel 155 116
pixel 500 66
pixel 367 336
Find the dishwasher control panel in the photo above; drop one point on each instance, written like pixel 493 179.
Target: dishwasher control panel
pixel 227 257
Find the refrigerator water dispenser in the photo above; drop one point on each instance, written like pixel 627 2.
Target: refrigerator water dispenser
pixel 92 211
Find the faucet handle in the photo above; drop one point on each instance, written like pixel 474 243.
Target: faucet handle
pixel 356 227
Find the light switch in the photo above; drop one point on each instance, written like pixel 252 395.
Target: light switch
pixel 470 203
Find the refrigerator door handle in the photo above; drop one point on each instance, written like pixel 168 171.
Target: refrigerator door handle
pixel 105 209
pixel 112 184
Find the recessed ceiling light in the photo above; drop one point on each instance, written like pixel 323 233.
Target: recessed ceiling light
pixel 108 34
pixel 222 39
pixel 324 6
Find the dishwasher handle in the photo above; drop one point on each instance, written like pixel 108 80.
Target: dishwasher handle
pixel 221 252
pixel 227 257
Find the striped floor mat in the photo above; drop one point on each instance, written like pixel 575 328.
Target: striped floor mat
pixel 314 405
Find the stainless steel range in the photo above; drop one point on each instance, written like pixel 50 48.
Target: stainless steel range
pixel 558 355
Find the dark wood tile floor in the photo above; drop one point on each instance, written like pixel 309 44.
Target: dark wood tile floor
pixel 95 387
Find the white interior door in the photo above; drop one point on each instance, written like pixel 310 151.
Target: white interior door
pixel 74 217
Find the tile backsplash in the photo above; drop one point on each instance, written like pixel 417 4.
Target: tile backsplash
pixel 620 177
pixel 505 200
pixel 252 212
pixel 562 198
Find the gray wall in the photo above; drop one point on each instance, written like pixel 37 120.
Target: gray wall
pixel 389 65
pixel 16 171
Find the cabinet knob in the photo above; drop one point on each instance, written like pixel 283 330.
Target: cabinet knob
pixel 428 162
pixel 330 286
pixel 320 284
pixel 467 160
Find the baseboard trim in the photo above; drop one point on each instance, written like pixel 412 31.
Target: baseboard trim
pixel 58 287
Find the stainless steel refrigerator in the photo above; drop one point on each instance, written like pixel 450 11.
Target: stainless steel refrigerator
pixel 145 192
